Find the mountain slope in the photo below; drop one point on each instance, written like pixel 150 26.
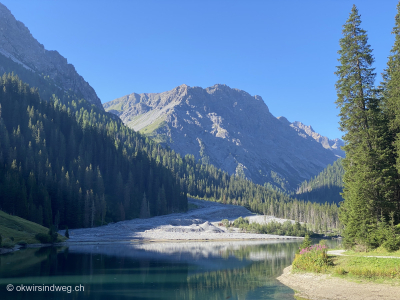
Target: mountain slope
pixel 35 63
pixel 333 145
pixel 325 187
pixel 60 164
pixel 228 128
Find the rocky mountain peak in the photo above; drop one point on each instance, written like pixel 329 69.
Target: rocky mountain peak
pixel 18 44
pixel 284 120
pixel 333 145
pixel 228 128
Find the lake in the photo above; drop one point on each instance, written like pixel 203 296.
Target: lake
pixel 131 270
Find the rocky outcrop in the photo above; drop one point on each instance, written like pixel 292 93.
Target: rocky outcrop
pixel 18 44
pixel 228 128
pixel 304 131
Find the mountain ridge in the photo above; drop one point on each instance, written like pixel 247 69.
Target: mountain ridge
pixel 228 128
pixel 19 46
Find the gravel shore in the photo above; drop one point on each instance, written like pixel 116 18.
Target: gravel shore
pixel 202 223
pixel 322 286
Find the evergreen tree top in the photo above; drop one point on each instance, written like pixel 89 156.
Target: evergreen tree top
pixel 355 85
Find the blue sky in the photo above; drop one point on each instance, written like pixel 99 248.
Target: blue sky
pixel 284 51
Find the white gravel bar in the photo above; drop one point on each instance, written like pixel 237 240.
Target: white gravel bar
pixel 200 224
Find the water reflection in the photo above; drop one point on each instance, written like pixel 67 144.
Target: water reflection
pixel 195 270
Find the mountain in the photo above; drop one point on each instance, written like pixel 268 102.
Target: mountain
pixel 228 128
pixel 304 130
pixel 62 164
pixel 22 54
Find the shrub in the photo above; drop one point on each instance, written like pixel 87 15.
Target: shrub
pixel 241 223
pixel 22 243
pixel 392 243
pixel 43 238
pixel 53 234
pixel 8 243
pixel 1 239
pixel 312 259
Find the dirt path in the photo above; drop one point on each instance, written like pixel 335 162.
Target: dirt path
pixel 321 286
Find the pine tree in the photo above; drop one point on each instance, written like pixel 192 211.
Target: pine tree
pixel 365 139
pixel 144 208
pixel 391 107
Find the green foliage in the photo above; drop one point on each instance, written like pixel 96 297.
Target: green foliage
pixel 55 159
pixel 57 156
pixel 20 229
pixel 370 175
pixel 53 234
pixel 44 238
pixel 306 242
pixel 22 243
pixel 367 267
pixel 312 259
pixel 8 243
pixel 380 251
pixel 286 228
pixel 392 239
pixel 325 187
pixel 225 222
pixel 50 238
pixel 1 240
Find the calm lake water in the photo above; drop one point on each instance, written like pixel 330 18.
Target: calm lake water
pixel 195 270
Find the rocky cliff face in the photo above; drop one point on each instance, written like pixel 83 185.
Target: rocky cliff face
pixel 18 44
pixel 304 131
pixel 228 128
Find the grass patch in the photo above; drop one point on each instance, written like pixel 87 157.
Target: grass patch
pixel 117 106
pixel 352 265
pixel 148 130
pixel 15 229
pixel 381 251
pixel 371 268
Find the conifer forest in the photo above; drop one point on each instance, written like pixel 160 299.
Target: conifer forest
pixel 370 121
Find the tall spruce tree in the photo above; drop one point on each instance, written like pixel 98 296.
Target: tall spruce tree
pixel 367 181
pixel 391 106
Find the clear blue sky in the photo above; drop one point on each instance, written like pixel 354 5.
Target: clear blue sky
pixel 282 50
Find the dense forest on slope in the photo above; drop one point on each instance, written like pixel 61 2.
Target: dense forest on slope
pixel 56 168
pixel 325 187
pixel 64 157
pixel 45 86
